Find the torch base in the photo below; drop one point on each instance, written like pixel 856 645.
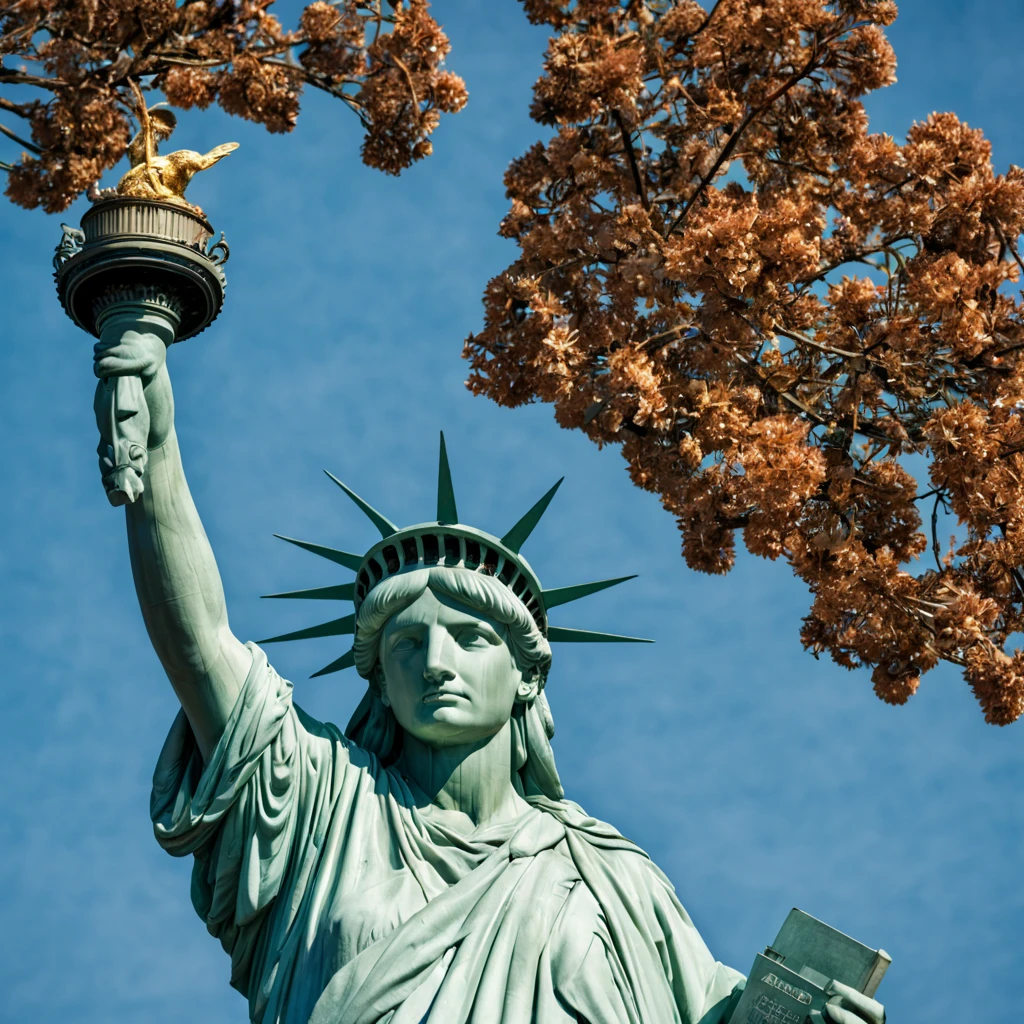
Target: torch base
pixel 141 244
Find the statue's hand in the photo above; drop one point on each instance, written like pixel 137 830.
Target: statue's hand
pixel 848 1006
pixel 133 354
pixel 142 355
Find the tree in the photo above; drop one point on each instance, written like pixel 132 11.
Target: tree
pixel 780 317
pixel 385 62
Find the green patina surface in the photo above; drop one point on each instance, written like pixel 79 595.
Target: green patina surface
pixel 423 865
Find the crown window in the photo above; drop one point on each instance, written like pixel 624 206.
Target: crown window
pixel 452 550
pixel 430 549
pixel 412 555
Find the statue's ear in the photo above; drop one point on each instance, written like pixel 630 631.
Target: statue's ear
pixel 378 681
pixel 529 686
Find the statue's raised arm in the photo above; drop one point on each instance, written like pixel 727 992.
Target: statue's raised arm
pixel 176 577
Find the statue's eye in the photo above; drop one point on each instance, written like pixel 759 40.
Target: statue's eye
pixel 471 638
pixel 405 644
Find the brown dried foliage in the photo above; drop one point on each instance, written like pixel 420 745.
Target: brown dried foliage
pixel 384 60
pixel 778 315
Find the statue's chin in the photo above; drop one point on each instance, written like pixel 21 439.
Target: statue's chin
pixel 450 724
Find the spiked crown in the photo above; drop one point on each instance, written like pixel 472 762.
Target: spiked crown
pixel 444 542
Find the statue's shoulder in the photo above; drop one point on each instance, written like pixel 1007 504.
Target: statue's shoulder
pixel 604 847
pixel 595 831
pixel 326 731
pixel 331 743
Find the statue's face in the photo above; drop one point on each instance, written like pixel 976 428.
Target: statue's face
pixel 449 676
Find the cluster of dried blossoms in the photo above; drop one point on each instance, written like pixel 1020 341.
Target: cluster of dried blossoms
pixel 780 316
pixel 385 61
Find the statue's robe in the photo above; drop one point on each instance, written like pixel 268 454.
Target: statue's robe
pixel 341 902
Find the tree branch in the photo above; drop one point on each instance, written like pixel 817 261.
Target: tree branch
pixel 627 143
pixel 19 109
pixel 30 146
pixel 733 139
pixel 707 21
pixel 936 550
pixel 1009 245
pixel 802 339
pixel 21 78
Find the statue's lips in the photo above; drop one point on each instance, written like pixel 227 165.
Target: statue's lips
pixel 441 696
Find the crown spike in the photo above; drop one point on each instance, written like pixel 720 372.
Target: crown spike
pixel 563 595
pixel 336 627
pixel 342 592
pixel 447 513
pixel 386 527
pixel 517 536
pixel 347 660
pixel 345 558
pixel 560 634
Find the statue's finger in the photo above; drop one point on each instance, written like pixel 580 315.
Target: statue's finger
pixel 835 1013
pixel 106 368
pixel 849 999
pixel 111 367
pixel 134 340
pixel 121 360
pixel 120 347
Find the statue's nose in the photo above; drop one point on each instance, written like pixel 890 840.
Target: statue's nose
pixel 436 669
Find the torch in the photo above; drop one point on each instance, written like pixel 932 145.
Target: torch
pixel 142 261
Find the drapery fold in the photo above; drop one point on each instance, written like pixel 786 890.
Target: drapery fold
pixel 342 902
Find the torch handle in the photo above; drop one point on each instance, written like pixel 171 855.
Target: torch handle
pixel 123 418
pixel 122 413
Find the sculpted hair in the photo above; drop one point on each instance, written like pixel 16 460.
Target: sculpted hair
pixel 373 725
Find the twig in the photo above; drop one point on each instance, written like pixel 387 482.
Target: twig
pixel 309 76
pixel 560 266
pixel 665 334
pixel 935 530
pixel 1009 245
pixel 352 102
pixel 792 399
pixel 1014 571
pixel 707 21
pixel 1009 349
pixel 828 268
pixel 734 138
pixel 31 146
pixel 20 78
pixel 408 78
pixel 804 340
pixel 20 109
pixel 627 142
pixel 189 62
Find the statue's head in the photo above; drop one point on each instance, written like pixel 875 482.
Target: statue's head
pixel 451 652
pixel 164 122
pixel 451 633
pixel 452 656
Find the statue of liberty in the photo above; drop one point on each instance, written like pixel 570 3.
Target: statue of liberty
pixel 423 866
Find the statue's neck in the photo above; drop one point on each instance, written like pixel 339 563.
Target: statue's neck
pixel 472 781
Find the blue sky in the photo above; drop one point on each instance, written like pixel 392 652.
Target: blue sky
pixel 758 778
